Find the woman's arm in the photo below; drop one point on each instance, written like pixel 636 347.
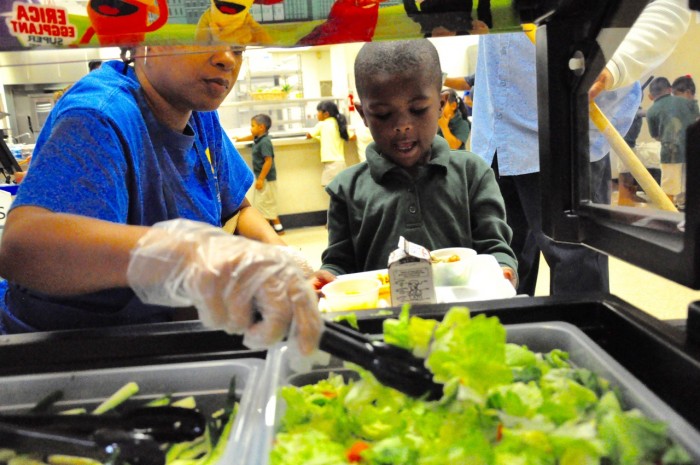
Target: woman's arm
pixel 64 254
pixel 650 41
pixel 252 225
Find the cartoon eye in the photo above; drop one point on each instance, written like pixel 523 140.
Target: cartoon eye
pixel 113 7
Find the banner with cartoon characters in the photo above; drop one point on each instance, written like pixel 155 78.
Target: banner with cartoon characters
pixel 285 23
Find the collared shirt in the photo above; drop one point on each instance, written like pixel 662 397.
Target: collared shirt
pixel 668 119
pixel 505 106
pixel 262 148
pixel 454 201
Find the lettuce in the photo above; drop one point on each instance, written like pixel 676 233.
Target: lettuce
pixel 310 447
pixel 472 350
pixel 502 404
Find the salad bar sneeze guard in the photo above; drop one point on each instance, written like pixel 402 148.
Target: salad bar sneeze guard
pixel 662 242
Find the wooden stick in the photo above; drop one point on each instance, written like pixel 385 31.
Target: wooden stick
pixel 623 150
pixel 629 158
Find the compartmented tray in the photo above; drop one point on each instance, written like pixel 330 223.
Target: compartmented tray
pixel 281 370
pixel 207 381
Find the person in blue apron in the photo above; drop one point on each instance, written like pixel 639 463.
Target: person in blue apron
pixel 127 213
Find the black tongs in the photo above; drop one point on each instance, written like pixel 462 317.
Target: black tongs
pixel 103 445
pixel 392 366
pixel 133 436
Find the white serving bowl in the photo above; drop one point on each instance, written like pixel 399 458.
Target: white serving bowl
pixel 452 273
pixel 351 294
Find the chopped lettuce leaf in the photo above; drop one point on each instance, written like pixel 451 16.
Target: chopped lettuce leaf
pixel 471 349
pixel 632 438
pixel 350 318
pixel 310 447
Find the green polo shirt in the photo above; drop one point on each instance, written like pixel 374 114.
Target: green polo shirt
pixel 262 148
pixel 454 201
pixel 668 118
pixel 459 127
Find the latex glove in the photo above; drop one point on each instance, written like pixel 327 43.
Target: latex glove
pixel 236 284
pixel 299 259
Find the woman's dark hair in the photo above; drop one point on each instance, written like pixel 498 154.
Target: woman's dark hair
pixel 332 109
pixel 452 97
pixel 455 15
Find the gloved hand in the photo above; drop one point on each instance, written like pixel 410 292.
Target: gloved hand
pixel 228 279
pixel 299 259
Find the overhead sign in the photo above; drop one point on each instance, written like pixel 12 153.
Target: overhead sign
pixel 286 23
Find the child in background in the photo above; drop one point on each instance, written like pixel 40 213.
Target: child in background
pixel 332 132
pixel 684 86
pixel 265 194
pixel 412 184
pixel 668 117
pixel 454 121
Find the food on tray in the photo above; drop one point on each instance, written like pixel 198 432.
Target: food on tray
pixel 452 266
pixel 502 404
pixel 351 294
pixel 450 259
pixel 204 450
pixel 385 288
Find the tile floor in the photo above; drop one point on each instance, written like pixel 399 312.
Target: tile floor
pixel 655 295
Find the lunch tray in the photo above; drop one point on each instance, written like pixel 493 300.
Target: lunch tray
pixel 207 381
pixel 539 337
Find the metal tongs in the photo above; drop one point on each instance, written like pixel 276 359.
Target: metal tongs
pixel 392 366
pixel 134 437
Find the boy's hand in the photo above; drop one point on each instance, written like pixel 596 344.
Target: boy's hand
pixel 479 27
pixel 319 279
pixel 258 184
pixel 510 275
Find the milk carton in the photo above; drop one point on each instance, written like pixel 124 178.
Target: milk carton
pixel 411 274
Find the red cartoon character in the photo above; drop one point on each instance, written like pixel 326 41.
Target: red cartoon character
pixel 348 21
pixel 123 22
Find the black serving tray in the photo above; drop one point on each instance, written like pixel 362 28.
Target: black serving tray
pixel 657 353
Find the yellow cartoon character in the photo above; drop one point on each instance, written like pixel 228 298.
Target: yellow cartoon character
pixel 232 23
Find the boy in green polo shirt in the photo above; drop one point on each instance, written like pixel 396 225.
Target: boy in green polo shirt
pixel 411 184
pixel 265 194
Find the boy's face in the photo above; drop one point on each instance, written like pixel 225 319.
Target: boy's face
pixel 402 111
pixel 256 129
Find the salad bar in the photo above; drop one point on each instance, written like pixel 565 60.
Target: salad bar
pixel 554 407
pixel 138 394
pixel 653 363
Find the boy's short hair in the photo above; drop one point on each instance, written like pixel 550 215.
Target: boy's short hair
pixel 263 120
pixel 397 57
pixel 659 86
pixel 684 84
